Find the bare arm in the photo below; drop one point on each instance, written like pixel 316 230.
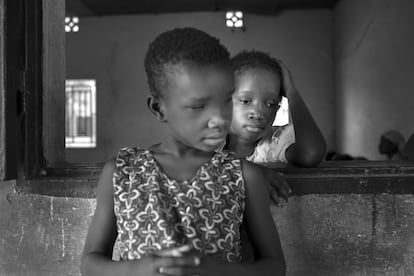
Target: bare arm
pixel 269 258
pixel 310 146
pixel 97 253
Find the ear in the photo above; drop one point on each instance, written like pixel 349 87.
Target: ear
pixel 155 106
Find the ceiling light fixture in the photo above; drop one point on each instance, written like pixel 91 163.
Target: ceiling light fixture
pixel 72 24
pixel 234 20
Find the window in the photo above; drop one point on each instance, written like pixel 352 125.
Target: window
pixel 80 119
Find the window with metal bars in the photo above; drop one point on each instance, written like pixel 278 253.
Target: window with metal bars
pixel 80 114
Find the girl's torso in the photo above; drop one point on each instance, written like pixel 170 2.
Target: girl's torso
pixel 155 211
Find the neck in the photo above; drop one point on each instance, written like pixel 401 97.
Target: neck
pixel 239 146
pixel 173 147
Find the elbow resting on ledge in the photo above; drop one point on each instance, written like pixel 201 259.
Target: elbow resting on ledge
pixel 308 157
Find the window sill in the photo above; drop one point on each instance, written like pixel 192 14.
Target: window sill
pixel 339 177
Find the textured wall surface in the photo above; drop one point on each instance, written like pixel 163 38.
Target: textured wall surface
pixel 320 234
pixel 374 44
pixel 41 235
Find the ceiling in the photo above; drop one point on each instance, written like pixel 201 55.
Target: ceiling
pixel 121 7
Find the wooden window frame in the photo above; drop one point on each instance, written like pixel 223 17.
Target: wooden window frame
pixel 42 168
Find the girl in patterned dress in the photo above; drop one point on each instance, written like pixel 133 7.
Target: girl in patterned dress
pixel 176 207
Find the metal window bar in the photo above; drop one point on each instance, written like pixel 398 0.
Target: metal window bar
pixel 80 114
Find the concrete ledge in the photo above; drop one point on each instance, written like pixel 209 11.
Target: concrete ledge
pixel 339 177
pixel 321 234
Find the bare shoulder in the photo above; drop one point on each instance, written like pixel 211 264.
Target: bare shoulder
pixel 107 171
pixel 255 181
pixel 102 228
pixel 110 165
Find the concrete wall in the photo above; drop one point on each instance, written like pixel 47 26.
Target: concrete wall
pixel 374 42
pixel 320 234
pixel 41 235
pixel 111 50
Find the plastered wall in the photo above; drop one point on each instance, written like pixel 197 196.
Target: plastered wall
pixel 374 42
pixel 111 50
pixel 320 234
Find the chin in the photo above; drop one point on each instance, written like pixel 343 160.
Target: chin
pixel 252 136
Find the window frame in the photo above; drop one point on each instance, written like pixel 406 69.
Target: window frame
pixel 42 169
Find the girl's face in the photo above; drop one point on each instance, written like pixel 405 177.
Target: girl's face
pixel 255 103
pixel 198 105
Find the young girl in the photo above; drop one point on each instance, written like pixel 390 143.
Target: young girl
pixel 176 207
pixel 260 83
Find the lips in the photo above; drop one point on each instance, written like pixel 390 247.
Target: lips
pixel 254 128
pixel 215 140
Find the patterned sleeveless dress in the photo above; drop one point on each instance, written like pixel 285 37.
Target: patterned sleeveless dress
pixel 156 212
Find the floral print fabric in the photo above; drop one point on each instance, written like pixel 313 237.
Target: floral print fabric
pixel 154 211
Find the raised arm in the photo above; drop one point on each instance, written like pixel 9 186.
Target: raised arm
pixel 310 146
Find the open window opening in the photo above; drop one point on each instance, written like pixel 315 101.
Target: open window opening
pixel 80 119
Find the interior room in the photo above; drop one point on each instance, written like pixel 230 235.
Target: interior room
pixel 351 62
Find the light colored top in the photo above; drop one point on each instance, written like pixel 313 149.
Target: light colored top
pixel 155 212
pixel 272 147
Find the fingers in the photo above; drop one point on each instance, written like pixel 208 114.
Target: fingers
pixel 177 265
pixel 174 251
pixel 279 192
pixel 279 185
pixel 274 196
pixel 279 188
pixel 178 261
pixel 284 189
pixel 179 271
pixel 287 76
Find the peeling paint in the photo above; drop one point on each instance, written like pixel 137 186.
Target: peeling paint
pixel 51 208
pixel 63 238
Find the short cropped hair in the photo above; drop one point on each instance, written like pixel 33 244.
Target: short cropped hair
pixel 180 46
pixel 254 59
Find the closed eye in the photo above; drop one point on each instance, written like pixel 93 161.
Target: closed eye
pixel 244 101
pixel 196 107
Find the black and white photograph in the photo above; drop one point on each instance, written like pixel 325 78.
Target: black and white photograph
pixel 207 137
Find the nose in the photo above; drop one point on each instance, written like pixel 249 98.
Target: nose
pixel 255 114
pixel 220 119
pixel 217 122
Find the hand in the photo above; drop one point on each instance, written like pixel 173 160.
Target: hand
pixel 279 188
pixel 207 267
pixel 287 82
pixel 183 251
pixel 153 265
pixel 178 251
